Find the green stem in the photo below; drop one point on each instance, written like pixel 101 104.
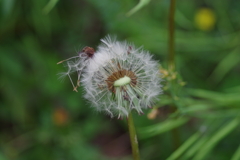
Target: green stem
pixel 133 137
pixel 171 49
pixel 171 59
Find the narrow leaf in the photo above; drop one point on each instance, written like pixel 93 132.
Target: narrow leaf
pixel 140 5
pixel 159 128
pixel 49 6
pixel 220 134
pixel 192 151
pixel 185 146
pixel 226 65
pixel 236 155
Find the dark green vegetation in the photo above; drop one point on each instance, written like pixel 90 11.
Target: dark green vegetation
pixel 42 118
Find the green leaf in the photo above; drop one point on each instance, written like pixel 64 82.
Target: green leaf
pixel 2 157
pixel 236 155
pixel 220 98
pixel 219 135
pixel 7 6
pixel 184 146
pixel 192 151
pixel 196 108
pixel 140 5
pixel 226 65
pixel 49 6
pixel 159 128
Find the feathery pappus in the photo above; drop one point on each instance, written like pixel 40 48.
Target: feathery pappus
pixel 117 77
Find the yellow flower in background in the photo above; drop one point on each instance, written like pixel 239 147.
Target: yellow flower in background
pixel 205 19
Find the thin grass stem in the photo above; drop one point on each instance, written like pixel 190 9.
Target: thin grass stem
pixel 171 44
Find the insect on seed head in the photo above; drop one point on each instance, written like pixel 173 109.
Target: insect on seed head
pixel 89 51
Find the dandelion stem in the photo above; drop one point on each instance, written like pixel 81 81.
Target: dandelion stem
pixel 133 137
pixel 171 49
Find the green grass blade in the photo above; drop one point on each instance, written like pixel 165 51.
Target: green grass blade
pixel 220 98
pixel 140 5
pixel 225 66
pixel 220 134
pixel 49 6
pixel 184 147
pixel 192 151
pixel 159 128
pixel 236 155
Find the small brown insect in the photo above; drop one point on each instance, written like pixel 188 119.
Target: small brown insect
pixel 89 51
pixel 129 49
pixel 85 54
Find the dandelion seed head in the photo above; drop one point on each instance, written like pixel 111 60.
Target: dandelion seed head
pixel 117 77
pixel 120 78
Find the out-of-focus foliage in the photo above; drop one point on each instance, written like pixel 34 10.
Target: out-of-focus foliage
pixel 196 118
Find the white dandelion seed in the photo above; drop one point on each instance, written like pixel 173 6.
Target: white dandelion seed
pixel 81 61
pixel 118 78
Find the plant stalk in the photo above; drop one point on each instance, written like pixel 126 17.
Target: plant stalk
pixel 133 137
pixel 171 49
pixel 171 58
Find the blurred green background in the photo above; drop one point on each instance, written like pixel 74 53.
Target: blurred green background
pixel 42 118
